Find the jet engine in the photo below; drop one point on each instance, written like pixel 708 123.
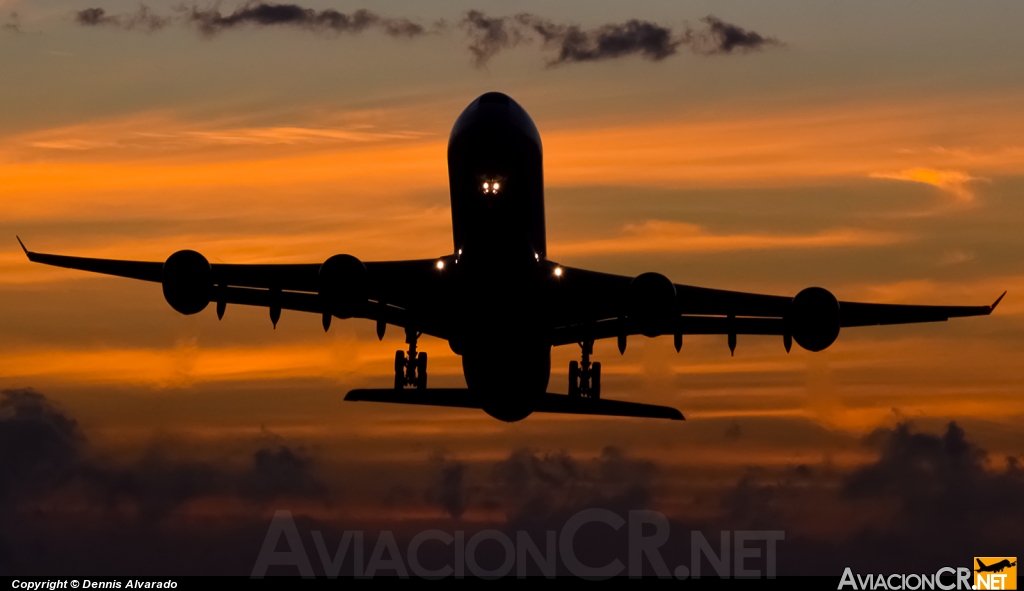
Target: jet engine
pixel 651 303
pixel 814 318
pixel 343 285
pixel 187 281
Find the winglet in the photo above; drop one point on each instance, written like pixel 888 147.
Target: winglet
pixel 996 303
pixel 27 253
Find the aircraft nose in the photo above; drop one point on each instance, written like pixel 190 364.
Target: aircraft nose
pixel 497 116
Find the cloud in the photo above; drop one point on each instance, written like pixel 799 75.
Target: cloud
pixel 12 25
pixel 530 486
pixel 723 37
pixel 489 35
pixel 922 501
pixel 211 21
pixel 39 447
pixel 449 489
pixel 665 236
pixel 953 182
pixel 939 481
pixel 44 455
pixel 486 35
pixel 926 501
pixel 143 19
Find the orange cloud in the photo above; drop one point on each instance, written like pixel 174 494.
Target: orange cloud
pixel 162 163
pixel 187 363
pixel 953 182
pixel 662 236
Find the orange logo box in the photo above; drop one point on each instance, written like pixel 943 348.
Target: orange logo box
pixel 995 572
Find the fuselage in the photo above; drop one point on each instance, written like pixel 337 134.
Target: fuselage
pixel 495 174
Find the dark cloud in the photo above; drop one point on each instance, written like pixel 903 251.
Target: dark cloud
pixel 40 448
pixel 486 35
pixel 211 21
pixel 489 35
pixel 143 19
pixel 12 25
pixel 531 486
pixel 722 37
pixel 450 489
pixel 646 39
pixel 940 483
pixel 43 455
pixel 926 500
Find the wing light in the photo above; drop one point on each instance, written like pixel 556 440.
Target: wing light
pixel 558 271
pixel 440 264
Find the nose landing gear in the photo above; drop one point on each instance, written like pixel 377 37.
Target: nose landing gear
pixel 584 376
pixel 411 368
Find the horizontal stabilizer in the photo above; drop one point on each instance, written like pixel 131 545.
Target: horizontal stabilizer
pixel 559 403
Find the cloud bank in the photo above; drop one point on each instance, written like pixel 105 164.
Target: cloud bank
pixel 490 35
pixel 486 36
pixel 210 21
pixel 925 500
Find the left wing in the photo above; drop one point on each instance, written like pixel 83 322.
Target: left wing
pixel 400 293
pixel 597 305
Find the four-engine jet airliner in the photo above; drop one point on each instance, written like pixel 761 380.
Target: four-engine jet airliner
pixel 497 299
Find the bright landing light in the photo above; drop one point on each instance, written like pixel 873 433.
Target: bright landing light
pixel 440 264
pixel 558 271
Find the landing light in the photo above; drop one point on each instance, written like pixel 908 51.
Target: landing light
pixel 558 271
pixel 491 188
pixel 440 264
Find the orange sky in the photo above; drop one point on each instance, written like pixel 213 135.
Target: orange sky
pixel 877 172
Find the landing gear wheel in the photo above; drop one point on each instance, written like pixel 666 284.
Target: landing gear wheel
pixel 399 370
pixel 595 380
pixel 421 371
pixel 574 378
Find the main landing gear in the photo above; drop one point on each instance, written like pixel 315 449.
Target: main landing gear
pixel 584 376
pixel 411 369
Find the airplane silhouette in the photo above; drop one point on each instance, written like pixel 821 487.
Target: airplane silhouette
pixel 994 568
pixel 497 299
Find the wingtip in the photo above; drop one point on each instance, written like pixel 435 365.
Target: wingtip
pixel 996 303
pixel 23 246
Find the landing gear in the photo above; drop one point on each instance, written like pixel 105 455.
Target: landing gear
pixel 584 376
pixel 411 368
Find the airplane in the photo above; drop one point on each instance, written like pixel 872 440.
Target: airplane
pixel 994 568
pixel 497 299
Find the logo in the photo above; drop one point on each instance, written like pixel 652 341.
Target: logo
pixel 995 572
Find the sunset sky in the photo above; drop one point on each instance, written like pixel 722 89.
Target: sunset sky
pixel 872 148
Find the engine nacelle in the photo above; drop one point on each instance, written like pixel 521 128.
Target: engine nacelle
pixel 343 285
pixel 651 303
pixel 187 281
pixel 814 318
